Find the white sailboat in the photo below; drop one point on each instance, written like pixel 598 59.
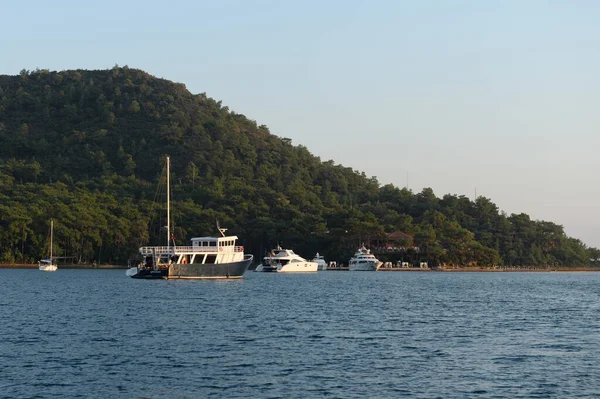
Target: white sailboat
pixel 49 264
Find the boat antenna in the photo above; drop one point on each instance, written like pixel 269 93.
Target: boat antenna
pixel 168 204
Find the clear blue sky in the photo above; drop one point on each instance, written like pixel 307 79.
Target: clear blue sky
pixel 499 96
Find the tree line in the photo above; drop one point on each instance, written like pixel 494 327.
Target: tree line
pixel 87 149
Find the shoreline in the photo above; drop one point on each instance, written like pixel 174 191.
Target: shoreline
pixel 418 270
pixel 517 269
pixel 489 270
pixel 35 266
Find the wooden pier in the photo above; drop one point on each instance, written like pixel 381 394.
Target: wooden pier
pixel 340 268
pixel 404 269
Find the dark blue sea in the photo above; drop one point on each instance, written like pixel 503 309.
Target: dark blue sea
pixel 100 334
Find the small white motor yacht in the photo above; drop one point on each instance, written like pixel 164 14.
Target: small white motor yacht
pixel 320 261
pixel 286 261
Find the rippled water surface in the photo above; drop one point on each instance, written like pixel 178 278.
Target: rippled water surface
pixel 98 333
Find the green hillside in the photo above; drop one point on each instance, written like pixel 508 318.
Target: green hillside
pixel 86 148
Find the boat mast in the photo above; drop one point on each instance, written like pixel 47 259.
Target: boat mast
pixel 51 238
pixel 168 204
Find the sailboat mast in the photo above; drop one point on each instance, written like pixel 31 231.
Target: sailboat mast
pixel 51 237
pixel 168 202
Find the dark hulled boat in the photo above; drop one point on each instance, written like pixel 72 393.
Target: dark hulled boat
pixel 205 258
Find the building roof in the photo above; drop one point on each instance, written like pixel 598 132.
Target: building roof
pixel 398 235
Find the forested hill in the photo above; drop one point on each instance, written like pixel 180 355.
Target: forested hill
pixel 86 148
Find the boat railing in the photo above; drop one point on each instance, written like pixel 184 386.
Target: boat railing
pixel 147 251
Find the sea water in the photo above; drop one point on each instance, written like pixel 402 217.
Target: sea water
pixel 100 334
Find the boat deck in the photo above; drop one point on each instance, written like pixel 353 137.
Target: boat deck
pixel 148 251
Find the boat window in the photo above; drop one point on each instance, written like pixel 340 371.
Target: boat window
pixel 212 244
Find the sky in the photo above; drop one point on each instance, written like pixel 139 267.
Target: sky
pixel 489 98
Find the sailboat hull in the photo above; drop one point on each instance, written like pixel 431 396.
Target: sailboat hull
pixel 198 271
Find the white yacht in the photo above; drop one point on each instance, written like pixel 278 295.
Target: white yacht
pixel 364 260
pixel 286 261
pixel 320 261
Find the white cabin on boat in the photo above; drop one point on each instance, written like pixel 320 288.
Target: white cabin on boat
pixel 204 250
